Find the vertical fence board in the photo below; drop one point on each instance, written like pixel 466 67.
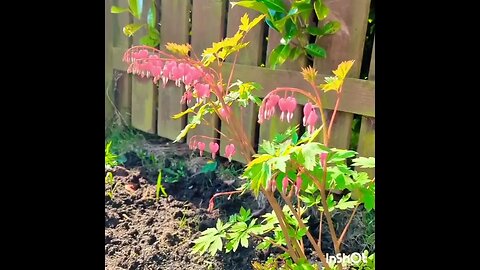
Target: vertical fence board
pixel 144 92
pixel 366 140
pixel 208 25
pixel 174 28
pixel 122 84
pixel 346 44
pixel 108 63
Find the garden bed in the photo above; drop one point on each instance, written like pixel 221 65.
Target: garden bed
pixel 143 233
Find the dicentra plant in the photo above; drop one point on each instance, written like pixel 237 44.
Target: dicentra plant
pixel 294 173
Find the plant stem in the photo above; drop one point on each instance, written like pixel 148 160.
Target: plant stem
pixel 344 232
pixel 320 231
pixel 331 228
pixel 281 220
pixel 309 236
pixel 322 114
pixel 334 113
pixel 212 200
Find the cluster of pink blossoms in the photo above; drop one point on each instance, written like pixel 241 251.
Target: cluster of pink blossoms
pixel 285 183
pixel 287 106
pixel 148 65
pixel 214 147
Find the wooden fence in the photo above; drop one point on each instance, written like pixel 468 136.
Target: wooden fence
pixel 200 22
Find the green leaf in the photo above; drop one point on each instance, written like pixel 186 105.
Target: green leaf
pixel 267 147
pixel 330 203
pixel 149 40
pixel 216 245
pixel 320 9
pixel 276 5
pixel 279 55
pixel 160 187
pixel 238 227
pixel 272 25
pixel 315 50
pixel 310 152
pixel 115 9
pixel 311 188
pixel 265 244
pixel 330 28
pixel 294 138
pixel 244 241
pixel 368 198
pixel 258 6
pixel 130 29
pixel 291 31
pixel 211 166
pixel 344 203
pixel 243 212
pixel 184 131
pixel 340 182
pixel 315 31
pixel 152 16
pixel 302 8
pixel 261 178
pixel 301 232
pixel 189 110
pixel 361 178
pixel 279 163
pixel 364 162
pixel 136 6
pixel 281 137
pixel 309 200
pixel 341 155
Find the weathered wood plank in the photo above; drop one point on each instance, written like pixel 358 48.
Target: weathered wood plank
pixel 144 92
pixel 358 95
pixel 123 86
pixel 347 44
pixel 366 140
pixel 109 108
pixel 208 25
pixel 251 55
pixel 174 28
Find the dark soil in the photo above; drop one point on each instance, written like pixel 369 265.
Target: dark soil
pixel 141 233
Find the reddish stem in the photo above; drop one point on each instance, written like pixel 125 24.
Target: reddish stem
pixel 212 200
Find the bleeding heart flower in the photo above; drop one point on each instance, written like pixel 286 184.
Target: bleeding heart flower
pixel 285 182
pixel 298 185
pixel 291 106
pixel 229 151
pixel 203 90
pixel 282 104
pixel 307 109
pixel 167 71
pixel 273 185
pixel 311 120
pixel 214 149
pixel 270 105
pixel 323 159
pixel 187 97
pixel 142 54
pixel 201 147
